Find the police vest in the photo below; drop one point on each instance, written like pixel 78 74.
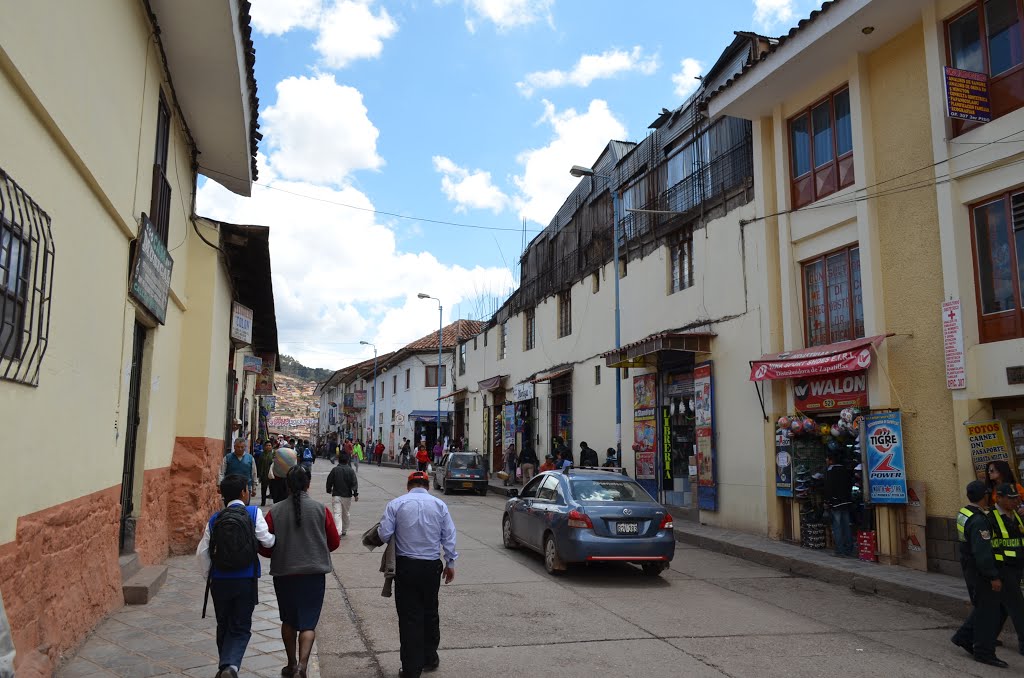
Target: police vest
pixel 961 520
pixel 1006 548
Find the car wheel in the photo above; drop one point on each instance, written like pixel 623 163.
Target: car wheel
pixel 654 569
pixel 483 491
pixel 507 540
pixel 552 563
pixel 446 490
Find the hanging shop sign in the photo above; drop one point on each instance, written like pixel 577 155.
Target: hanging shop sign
pixel 704 420
pixel 150 281
pixel 522 391
pixel 882 448
pixel 265 380
pixel 348 400
pixel 783 464
pixel 967 96
pixel 818 394
pixel 252 363
pixel 270 402
pixel 359 400
pixel 988 444
pixel 645 432
pixel 241 323
pixel 817 361
pixel 953 344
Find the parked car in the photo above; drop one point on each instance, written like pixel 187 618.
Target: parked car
pixel 583 516
pixel 461 471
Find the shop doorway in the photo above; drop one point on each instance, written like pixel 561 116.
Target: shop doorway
pixel 678 433
pixel 126 538
pixel 561 410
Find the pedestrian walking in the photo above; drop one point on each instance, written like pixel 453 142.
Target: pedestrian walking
pixel 404 454
pixel 422 527
pixel 564 458
pixel 510 463
pixel 379 451
pixel 227 556
pixel 438 452
pixel 977 635
pixel 357 454
pixel 999 472
pixel 307 457
pixel 528 462
pixel 284 460
pixel 1008 549
pixel 263 464
pixel 588 456
pixel 838 499
pixel 611 459
pixel 239 462
pixel 299 562
pixel 549 463
pixel 343 486
pixel 422 457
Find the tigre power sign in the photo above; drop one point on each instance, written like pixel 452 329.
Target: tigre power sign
pixel 885 463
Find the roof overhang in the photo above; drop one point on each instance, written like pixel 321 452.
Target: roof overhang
pixel 551 375
pixel 209 53
pixel 492 383
pixel 454 394
pixel 636 354
pixel 247 254
pixel 817 45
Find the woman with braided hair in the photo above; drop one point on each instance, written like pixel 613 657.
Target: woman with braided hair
pixel 299 562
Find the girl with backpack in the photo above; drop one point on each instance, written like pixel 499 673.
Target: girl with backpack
pixel 299 562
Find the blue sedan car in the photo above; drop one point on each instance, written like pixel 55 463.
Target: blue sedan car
pixel 583 516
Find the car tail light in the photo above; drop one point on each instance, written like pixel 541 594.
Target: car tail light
pixel 581 520
pixel 666 522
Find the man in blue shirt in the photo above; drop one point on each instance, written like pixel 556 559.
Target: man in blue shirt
pixel 422 527
pixel 241 463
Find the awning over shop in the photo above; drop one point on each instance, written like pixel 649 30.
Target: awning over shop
pixel 635 354
pixel 492 383
pixel 453 394
pixel 426 415
pixel 845 356
pixel 551 375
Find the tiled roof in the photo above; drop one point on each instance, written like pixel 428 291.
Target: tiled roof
pixel 782 40
pixel 456 332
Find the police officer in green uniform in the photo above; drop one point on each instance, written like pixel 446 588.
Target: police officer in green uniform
pixel 978 561
pixel 1008 548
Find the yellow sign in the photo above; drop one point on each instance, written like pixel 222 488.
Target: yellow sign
pixel 988 443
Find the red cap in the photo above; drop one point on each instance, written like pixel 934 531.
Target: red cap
pixel 419 475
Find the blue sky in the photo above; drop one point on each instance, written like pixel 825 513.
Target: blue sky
pixel 468 111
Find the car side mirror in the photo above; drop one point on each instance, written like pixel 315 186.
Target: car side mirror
pixel 513 493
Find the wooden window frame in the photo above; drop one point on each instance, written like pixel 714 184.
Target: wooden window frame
pixel 564 313
pixel 503 341
pixel 681 261
pixel 830 177
pixel 432 382
pixel 998 325
pixel 1006 90
pixel 823 258
pixel 463 350
pixel 160 197
pixel 394 384
pixel 408 377
pixel 530 329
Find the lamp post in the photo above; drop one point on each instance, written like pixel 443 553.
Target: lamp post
pixel 440 331
pixel 578 171
pixel 373 423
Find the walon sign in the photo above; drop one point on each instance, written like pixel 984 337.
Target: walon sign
pixel 822 394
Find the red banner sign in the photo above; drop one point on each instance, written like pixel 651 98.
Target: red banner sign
pixel 822 394
pixel 845 356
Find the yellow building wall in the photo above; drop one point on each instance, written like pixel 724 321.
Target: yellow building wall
pixel 911 265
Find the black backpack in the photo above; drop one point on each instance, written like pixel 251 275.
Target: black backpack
pixel 233 540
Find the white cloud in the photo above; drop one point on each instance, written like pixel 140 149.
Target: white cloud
pixel 769 13
pixel 276 17
pixel 507 14
pixel 319 131
pixel 578 139
pixel 686 79
pixel 339 276
pixel 469 189
pixel 589 68
pixel 349 30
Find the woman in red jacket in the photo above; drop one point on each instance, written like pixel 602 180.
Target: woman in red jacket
pixel 422 458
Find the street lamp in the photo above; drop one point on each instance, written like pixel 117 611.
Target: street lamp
pixel 440 331
pixel 373 423
pixel 578 171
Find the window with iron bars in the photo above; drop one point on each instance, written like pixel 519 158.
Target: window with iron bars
pixel 26 283
pixel 160 202
pixel 530 329
pixel 681 264
pixel 503 341
pixel 564 313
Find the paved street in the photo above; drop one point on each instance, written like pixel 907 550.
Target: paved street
pixel 710 615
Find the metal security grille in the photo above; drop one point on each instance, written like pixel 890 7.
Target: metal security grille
pixel 26 280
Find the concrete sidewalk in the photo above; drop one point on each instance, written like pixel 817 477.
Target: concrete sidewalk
pixel 168 637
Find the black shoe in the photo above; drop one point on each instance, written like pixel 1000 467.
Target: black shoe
pixel 968 647
pixel 991 661
pixel 403 674
pixel 431 667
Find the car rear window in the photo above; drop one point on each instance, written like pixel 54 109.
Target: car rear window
pixel 466 461
pixel 610 490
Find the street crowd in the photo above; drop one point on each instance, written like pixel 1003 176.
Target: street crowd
pixel 298 535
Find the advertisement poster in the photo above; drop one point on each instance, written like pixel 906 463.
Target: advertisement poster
pixel 360 400
pixel 270 402
pixel 816 394
pixel 252 363
pixel 953 344
pixel 645 432
pixel 783 465
pixel 265 381
pixel 508 425
pixel 348 400
pixel 967 95
pixel 704 418
pixel 988 443
pixel 241 323
pixel 882 445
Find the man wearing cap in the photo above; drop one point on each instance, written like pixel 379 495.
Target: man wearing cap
pixel 977 559
pixel 421 526
pixel 1008 548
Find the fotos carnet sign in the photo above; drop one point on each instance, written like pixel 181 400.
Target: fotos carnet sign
pixel 953 343
pixel 967 95
pixel 988 444
pixel 882 446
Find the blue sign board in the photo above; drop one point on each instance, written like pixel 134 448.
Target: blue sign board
pixel 885 463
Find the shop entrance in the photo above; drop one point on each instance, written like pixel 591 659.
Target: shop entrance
pixel 561 410
pixel 126 539
pixel 677 433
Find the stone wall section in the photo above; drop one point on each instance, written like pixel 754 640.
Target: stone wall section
pixel 193 495
pixel 151 529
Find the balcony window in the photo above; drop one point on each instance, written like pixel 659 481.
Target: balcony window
pixel 998 234
pixel 833 300
pixel 821 149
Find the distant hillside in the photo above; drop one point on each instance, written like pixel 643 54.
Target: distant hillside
pixel 293 368
pixel 294 396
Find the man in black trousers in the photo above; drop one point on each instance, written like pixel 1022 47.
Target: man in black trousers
pixel 421 526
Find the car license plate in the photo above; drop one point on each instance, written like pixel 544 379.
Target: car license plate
pixel 627 528
pixel 467 484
